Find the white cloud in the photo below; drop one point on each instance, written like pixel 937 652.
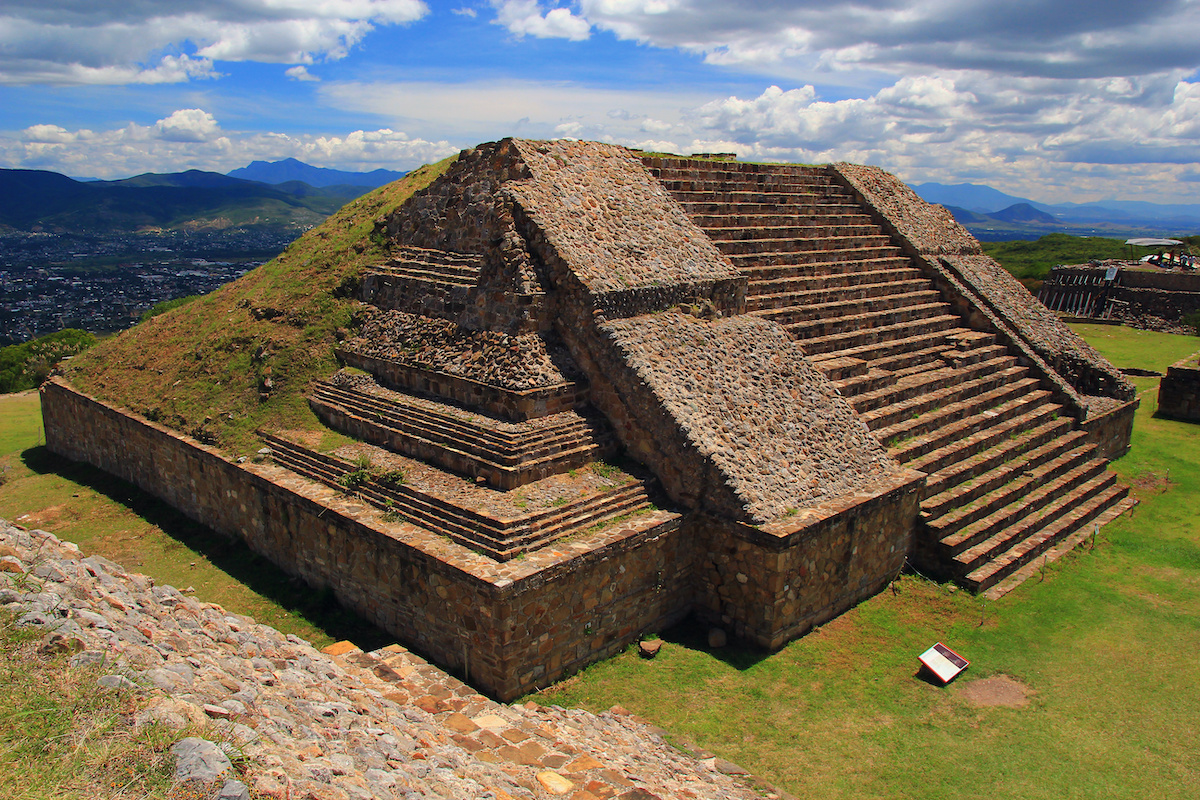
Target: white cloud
pixel 187 125
pixel 475 112
pixel 193 139
pixel 525 17
pixel 1050 139
pixel 300 73
pixel 1042 38
pixel 68 42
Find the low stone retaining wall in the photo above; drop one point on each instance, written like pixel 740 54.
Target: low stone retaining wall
pixel 507 403
pixel 508 627
pixel 1179 390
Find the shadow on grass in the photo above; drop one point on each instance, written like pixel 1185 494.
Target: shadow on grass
pixel 692 634
pixel 317 606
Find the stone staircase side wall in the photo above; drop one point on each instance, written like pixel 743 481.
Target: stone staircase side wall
pixel 732 412
pixel 616 233
pixel 771 586
pixel 944 248
pixel 509 628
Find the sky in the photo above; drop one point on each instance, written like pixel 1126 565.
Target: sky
pixel 1054 100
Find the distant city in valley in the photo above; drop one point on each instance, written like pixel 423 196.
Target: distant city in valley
pixel 103 283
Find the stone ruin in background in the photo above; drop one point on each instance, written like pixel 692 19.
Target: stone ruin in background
pixel 596 391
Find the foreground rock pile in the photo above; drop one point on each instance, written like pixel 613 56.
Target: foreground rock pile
pixel 333 725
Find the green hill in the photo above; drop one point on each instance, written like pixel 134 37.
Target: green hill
pixel 220 366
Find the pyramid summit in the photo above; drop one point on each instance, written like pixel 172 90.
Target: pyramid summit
pixel 580 392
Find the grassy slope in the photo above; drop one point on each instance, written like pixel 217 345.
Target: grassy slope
pixel 1106 642
pixel 199 369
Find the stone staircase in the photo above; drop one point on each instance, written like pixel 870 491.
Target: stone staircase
pixel 433 266
pixel 1009 477
pixel 505 454
pixel 498 537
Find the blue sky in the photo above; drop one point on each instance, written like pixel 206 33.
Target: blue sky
pixel 1053 100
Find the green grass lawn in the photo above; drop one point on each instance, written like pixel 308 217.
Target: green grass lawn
pixel 1106 642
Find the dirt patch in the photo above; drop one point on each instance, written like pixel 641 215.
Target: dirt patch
pixel 1151 483
pixel 51 518
pixel 998 690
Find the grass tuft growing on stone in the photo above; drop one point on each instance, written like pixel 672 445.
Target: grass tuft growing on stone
pixel 62 736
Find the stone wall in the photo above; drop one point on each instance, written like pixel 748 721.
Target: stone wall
pixel 518 405
pixel 1179 390
pixel 510 627
pixel 774 583
pixel 1150 299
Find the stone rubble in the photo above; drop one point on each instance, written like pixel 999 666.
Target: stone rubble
pixel 335 725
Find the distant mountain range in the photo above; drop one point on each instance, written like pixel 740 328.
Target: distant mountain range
pixel 993 215
pixel 39 200
pixel 292 194
pixel 290 169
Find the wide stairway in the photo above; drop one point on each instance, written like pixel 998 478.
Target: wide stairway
pixel 1008 474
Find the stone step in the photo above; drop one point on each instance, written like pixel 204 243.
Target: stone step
pixel 984 439
pixel 962 358
pixel 1003 564
pixel 873 379
pixel 453 425
pixel 429 276
pixel 865 322
pixel 501 539
pixel 817 216
pixel 925 391
pixel 871 255
pixel 1020 438
pixel 470 444
pixel 776 197
pixel 952 528
pixel 997 474
pixel 776 291
pixel 801 207
pixel 837 369
pixel 1040 506
pixel 809 244
pixel 693 187
pixel 838 304
pixel 817 291
pixel 914 436
pixel 792 232
pixel 892 338
pixel 822 269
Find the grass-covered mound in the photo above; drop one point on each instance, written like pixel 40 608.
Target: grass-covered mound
pixel 245 355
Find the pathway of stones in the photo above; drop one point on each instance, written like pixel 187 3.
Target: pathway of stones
pixel 335 725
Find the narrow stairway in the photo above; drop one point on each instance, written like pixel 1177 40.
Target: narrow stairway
pixel 1008 475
